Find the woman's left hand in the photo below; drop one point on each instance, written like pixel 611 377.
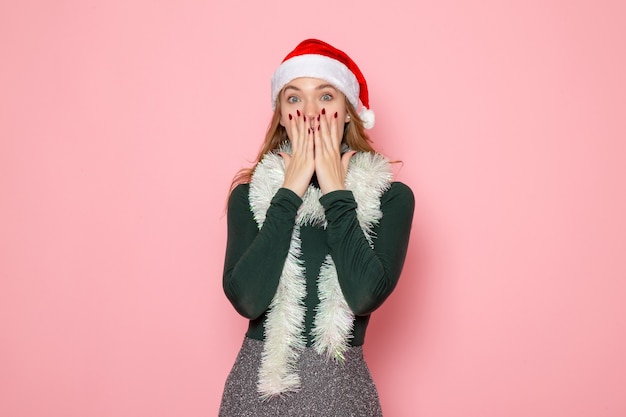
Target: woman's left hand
pixel 330 166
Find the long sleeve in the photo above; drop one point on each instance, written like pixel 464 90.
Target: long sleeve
pixel 255 258
pixel 368 276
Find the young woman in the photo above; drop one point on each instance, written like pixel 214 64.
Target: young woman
pixel 317 237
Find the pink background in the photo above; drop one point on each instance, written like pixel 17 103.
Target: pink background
pixel 123 122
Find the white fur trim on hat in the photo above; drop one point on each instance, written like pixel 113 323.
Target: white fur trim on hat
pixel 316 66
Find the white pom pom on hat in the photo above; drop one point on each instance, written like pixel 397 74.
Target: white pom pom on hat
pixel 317 59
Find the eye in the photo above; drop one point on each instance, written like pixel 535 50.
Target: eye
pixel 292 99
pixel 327 97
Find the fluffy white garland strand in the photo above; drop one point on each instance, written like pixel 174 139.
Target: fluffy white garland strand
pixel 368 177
pixel 333 322
pixel 286 313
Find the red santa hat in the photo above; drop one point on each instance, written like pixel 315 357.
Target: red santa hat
pixel 317 59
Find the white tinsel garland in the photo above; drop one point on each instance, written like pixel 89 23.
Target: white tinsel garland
pixel 368 177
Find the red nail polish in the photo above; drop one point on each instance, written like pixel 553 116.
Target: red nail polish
pixel 318 128
pixel 298 113
pixel 290 116
pixel 304 118
pixel 324 110
pixel 309 130
pixel 318 118
pixel 335 115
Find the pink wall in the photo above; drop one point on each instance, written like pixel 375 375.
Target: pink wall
pixel 122 123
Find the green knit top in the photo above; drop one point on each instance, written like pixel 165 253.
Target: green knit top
pixel 255 257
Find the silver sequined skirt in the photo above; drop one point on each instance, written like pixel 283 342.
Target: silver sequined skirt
pixel 329 389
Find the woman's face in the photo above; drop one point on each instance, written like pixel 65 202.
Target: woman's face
pixel 310 96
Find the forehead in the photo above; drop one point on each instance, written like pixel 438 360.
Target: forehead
pixel 308 83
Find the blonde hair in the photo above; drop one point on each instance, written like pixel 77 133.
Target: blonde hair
pixel 354 136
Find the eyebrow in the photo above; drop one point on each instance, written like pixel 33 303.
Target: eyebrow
pixel 290 87
pixel 323 86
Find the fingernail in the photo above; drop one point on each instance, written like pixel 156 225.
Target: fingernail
pixel 318 128
pixel 335 115
pixel 290 116
pixel 318 118
pixel 298 113
pixel 309 130
pixel 304 118
pixel 324 110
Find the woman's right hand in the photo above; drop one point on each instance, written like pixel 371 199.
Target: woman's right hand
pixel 300 165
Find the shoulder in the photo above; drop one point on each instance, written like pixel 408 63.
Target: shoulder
pixel 398 201
pixel 239 196
pixel 398 205
pixel 399 192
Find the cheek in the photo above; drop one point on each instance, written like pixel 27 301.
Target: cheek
pixel 284 117
pixel 335 106
pixel 284 122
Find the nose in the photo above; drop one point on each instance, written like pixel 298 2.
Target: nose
pixel 311 110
